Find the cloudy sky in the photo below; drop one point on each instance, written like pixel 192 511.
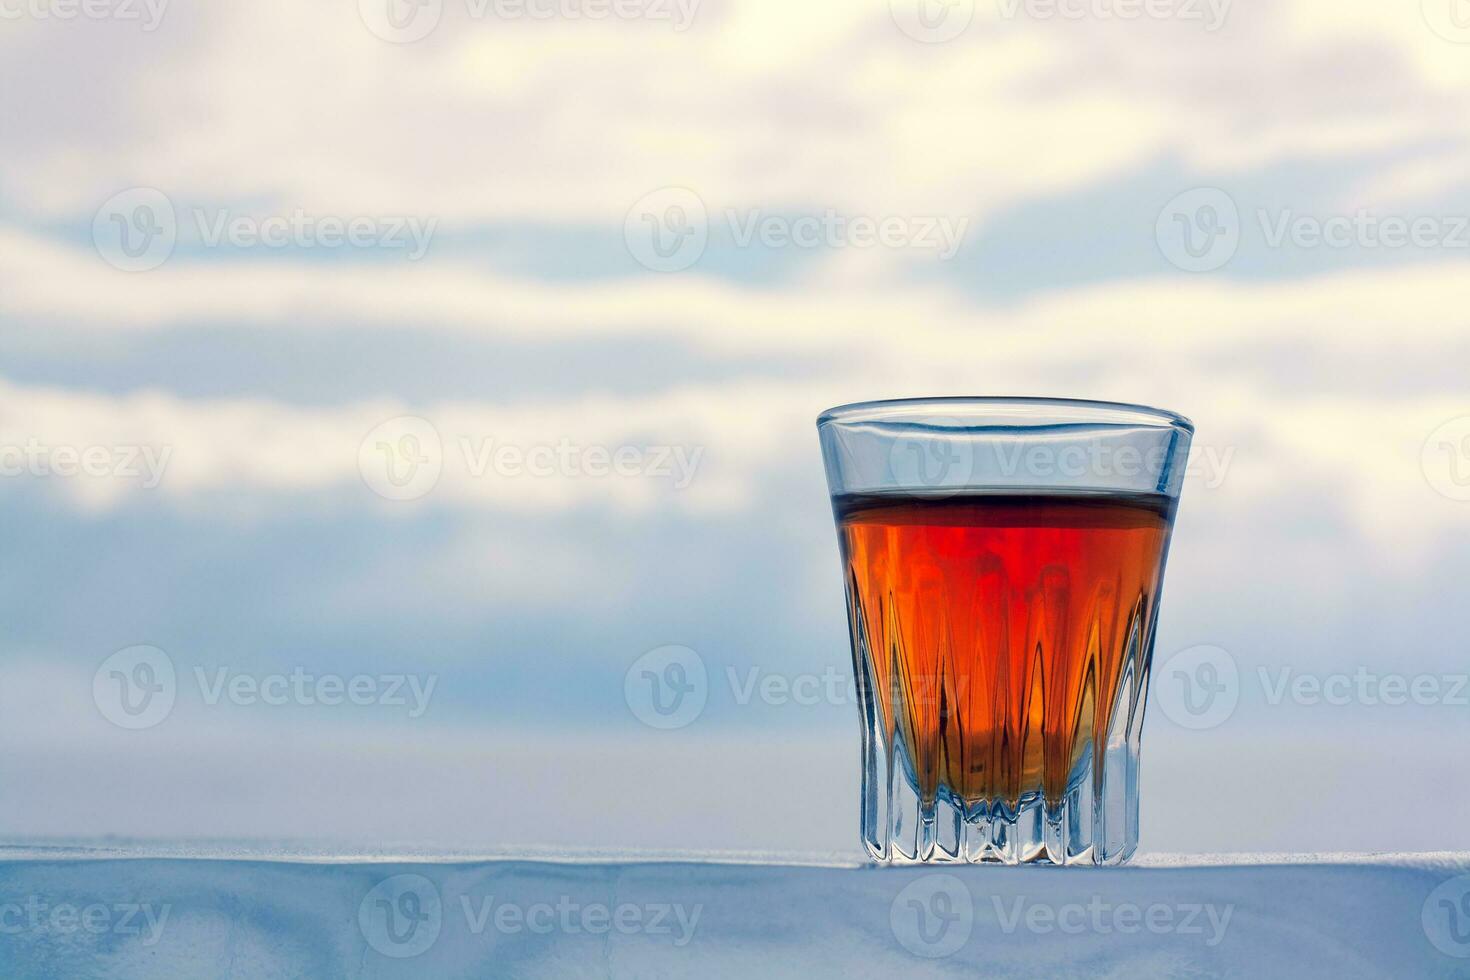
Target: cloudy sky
pixel 470 350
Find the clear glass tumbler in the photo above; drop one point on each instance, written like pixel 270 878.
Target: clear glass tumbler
pixel 1003 559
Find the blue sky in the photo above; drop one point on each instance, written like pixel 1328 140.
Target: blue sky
pixel 1324 530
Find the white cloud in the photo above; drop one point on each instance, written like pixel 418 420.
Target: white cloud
pixel 716 446
pixel 759 104
pixel 1402 308
pixel 1218 349
pixel 679 448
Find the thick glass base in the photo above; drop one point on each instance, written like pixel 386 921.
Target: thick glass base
pixel 1095 822
pixel 1084 827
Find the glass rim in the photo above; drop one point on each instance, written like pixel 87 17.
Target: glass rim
pixel 1006 409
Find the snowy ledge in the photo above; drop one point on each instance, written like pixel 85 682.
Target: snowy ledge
pixel 231 912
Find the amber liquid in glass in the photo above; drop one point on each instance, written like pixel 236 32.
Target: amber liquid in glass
pixel 993 630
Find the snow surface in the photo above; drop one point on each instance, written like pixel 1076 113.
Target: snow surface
pixel 231 912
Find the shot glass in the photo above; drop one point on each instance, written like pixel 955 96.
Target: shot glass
pixel 1003 559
